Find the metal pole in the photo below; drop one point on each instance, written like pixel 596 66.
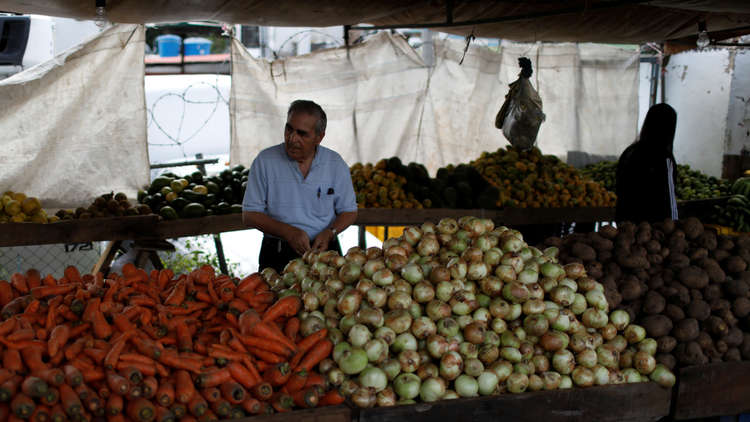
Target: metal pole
pixel 220 254
pixel 201 166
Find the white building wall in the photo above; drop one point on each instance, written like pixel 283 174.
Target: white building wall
pixel 697 85
pixel 738 119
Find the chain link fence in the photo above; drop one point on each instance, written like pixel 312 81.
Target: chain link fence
pixel 49 259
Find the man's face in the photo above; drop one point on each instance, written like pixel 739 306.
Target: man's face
pixel 300 139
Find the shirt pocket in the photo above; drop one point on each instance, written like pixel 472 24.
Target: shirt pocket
pixel 323 206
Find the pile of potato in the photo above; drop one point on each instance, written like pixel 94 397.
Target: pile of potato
pixel 687 286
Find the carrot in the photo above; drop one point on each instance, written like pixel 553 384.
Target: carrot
pixel 233 392
pixel 296 382
pixel 32 357
pixel 250 324
pixel 214 378
pixel 122 323
pixel 12 360
pixel 79 329
pixel 250 283
pixel 242 374
pixel 177 296
pixel 57 339
pixel 211 394
pixel 18 281
pixel 117 418
pixel 97 355
pixel 45 291
pixel 251 405
pixel 51 397
pixel 308 342
pixel 114 405
pixel 176 361
pixel 262 391
pixel 278 374
pixel 9 388
pixel 6 293
pixel 57 414
pixel 5 375
pixel 287 306
pixel 266 345
pixel 117 383
pixel 184 388
pixel 165 393
pixel 282 402
pixel 141 409
pixel 146 347
pixel 40 414
pixel 22 406
pixel 197 405
pixel 7 326
pixel 331 398
pixel 209 416
pixel 34 387
pixel 71 273
pixel 89 398
pixel 267 356
pixel 73 376
pixel 184 339
pixel 291 329
pixel 164 415
pixel 180 411
pixel 110 361
pixel 306 398
pixel 316 380
pixel 320 351
pixel 150 385
pixel 22 334
pixel 222 407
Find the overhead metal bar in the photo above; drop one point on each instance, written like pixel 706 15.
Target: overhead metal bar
pixel 526 16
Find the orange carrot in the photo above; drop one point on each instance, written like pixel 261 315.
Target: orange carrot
pixel 165 394
pixel 177 296
pixel 45 291
pixel 150 386
pixel 117 383
pixel 12 360
pixel 51 397
pixel 251 405
pixel 57 414
pixel 331 398
pixel 282 402
pixel 291 329
pixel 7 326
pixel 197 405
pixel 73 376
pixel 57 339
pixel 266 356
pixel 211 394
pixel 110 361
pixel 266 345
pixel 242 374
pixel 222 407
pixel 70 401
pixel 296 382
pixel 184 388
pixel 184 339
pixel 33 386
pixel 214 378
pixel 6 293
pixel 22 405
pixel 278 374
pixel 316 380
pixel 287 306
pixel 306 344
pixel 141 409
pixel 114 405
pixel 180 411
pixel 262 391
pixel 18 281
pixel 307 398
pixel 233 392
pixel 320 351
pixel 164 415
pixel 9 388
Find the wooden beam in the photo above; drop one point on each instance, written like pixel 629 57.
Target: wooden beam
pixel 715 389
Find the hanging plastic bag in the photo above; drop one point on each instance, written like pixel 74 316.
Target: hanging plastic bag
pixel 521 114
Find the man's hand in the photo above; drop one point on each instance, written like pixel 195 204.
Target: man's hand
pixel 322 240
pixel 298 240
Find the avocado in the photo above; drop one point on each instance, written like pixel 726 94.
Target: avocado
pixel 235 208
pixel 212 187
pixel 193 210
pixel 196 177
pixel 192 196
pixel 159 183
pixel 223 208
pixel 239 168
pixel 168 213
pixel 210 199
pixel 179 203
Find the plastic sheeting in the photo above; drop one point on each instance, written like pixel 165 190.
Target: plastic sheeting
pixel 74 127
pixel 383 101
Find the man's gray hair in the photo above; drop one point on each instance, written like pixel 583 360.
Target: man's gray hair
pixel 313 109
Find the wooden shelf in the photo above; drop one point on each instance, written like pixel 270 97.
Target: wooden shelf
pixel 321 414
pixel 625 402
pixel 716 389
pixel 75 231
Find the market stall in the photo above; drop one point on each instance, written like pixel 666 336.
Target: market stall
pixel 457 307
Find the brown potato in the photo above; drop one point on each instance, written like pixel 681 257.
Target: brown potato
pixel 665 344
pixel 653 246
pixel 707 240
pixel 667 226
pixel 699 310
pixel 613 270
pixel 654 303
pixel 725 242
pixel 694 277
pixel 745 347
pixel 595 270
pixel 711 292
pixel 705 340
pixel 674 312
pixel 667 360
pixel 733 337
pixel 733 355
pixel 678 261
pixel 657 325
pixel 583 251
pixel 720 254
pixel 736 288
pixel 630 290
pixel 716 326
pixel 741 307
pixel 608 232
pixel 734 265
pixel 690 354
pixel 686 330
pixel 692 226
pixel 698 254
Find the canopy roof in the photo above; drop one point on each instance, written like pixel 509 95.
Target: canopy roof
pixel 608 21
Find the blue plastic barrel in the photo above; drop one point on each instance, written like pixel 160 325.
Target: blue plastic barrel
pixel 168 45
pixel 197 46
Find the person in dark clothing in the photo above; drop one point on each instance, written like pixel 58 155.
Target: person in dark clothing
pixel 645 183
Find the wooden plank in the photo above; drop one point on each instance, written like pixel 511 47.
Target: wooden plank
pixel 510 216
pixel 197 226
pixel 625 402
pixel 715 389
pixel 70 231
pixel 321 414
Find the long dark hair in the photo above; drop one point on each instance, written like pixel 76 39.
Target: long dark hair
pixel 657 133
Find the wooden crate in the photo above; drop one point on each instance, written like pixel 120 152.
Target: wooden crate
pixel 715 389
pixel 626 402
pixel 321 414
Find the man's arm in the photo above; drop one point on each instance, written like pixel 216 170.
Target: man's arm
pixel 342 221
pixel 296 238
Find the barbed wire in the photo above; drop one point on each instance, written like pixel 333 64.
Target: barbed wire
pixel 184 96
pixel 308 32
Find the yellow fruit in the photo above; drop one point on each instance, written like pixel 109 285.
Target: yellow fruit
pixel 18 218
pixel 31 206
pixel 19 196
pixel 5 199
pixel 12 207
pixel 39 218
pixel 4 218
pixel 53 219
pixel 8 193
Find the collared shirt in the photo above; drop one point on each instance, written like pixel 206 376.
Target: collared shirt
pixel 275 187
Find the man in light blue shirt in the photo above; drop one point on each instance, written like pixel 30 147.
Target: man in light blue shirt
pixel 299 194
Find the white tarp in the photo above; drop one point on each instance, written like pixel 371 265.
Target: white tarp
pixel 382 100
pixel 74 127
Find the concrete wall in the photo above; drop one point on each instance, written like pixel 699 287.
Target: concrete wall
pixel 738 119
pixel 697 85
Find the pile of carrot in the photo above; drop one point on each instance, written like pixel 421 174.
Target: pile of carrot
pixel 141 347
